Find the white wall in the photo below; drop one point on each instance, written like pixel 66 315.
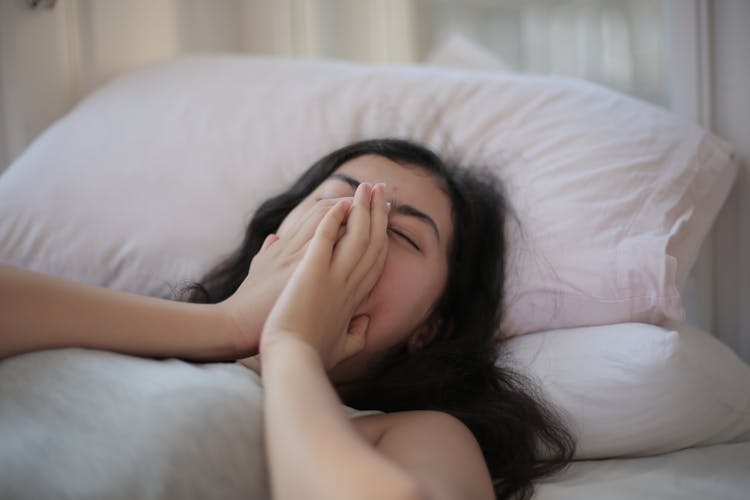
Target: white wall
pixel 710 43
pixel 731 120
pixel 35 74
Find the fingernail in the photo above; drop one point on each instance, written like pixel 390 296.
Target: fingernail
pixel 388 206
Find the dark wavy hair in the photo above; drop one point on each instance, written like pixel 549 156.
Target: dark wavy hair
pixel 458 372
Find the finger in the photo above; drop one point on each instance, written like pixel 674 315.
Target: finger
pixel 356 239
pixel 371 277
pixel 323 241
pixel 374 256
pixel 270 240
pixel 342 232
pixel 303 231
pixel 379 221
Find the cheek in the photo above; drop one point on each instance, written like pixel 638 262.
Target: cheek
pixel 402 298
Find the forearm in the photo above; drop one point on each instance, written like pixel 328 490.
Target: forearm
pixel 314 451
pixel 44 312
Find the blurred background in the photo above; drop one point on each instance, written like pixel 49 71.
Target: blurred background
pixel 80 44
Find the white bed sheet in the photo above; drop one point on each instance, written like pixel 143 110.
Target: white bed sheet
pixel 717 472
pixel 83 424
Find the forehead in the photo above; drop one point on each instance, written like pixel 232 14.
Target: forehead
pixel 408 184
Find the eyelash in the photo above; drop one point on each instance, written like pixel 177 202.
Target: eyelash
pixel 406 238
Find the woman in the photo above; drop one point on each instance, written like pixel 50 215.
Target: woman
pixel 370 281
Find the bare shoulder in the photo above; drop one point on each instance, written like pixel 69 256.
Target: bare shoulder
pixel 434 446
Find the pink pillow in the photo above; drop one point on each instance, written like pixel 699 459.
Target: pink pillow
pixel 150 181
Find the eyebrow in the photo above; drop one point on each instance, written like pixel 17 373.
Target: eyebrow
pixel 396 206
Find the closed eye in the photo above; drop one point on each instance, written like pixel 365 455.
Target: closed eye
pixel 405 238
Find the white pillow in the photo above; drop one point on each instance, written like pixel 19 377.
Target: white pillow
pixel 150 181
pixel 636 389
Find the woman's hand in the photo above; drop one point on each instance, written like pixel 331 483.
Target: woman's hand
pixel 269 272
pixel 337 272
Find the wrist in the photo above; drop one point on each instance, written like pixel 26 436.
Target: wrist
pixel 282 347
pixel 238 335
pixel 207 334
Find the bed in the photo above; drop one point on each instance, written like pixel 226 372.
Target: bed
pixel 150 180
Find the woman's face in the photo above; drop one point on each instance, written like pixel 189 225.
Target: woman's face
pixel 419 234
